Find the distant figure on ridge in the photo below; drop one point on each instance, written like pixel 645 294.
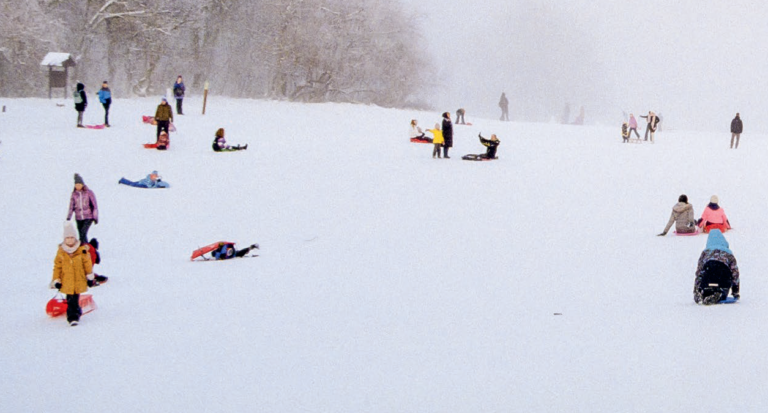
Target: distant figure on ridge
pixel 504 105
pixel 736 128
pixel 460 116
pixel 625 132
pixel 633 125
pixel 653 122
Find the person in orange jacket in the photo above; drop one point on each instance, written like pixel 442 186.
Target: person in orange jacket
pixel 714 217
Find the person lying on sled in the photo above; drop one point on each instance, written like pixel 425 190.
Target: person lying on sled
pixel 153 180
pixel 227 251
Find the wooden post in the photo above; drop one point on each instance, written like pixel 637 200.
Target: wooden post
pixel 50 82
pixel 205 96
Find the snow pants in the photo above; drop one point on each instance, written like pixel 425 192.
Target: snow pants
pixel 736 136
pixel 178 106
pixel 162 125
pixel 79 118
pixel 73 307
pixel 106 111
pixel 82 229
pixel 716 280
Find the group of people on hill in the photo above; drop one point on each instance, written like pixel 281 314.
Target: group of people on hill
pixel 442 138
pixel 653 123
pixel 717 272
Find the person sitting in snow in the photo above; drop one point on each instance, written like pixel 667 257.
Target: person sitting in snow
pixel 714 217
pixel 153 180
pixel 416 132
pixel 717 272
pixel 490 153
pixel 163 141
pixel 220 144
pixel 93 251
pixel 227 251
pixel 72 272
pixel 682 216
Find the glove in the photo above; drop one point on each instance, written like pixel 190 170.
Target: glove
pixel 56 284
pixel 662 234
pixel 95 222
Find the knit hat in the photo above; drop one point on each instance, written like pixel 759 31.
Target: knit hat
pixel 154 173
pixel 69 230
pixel 79 179
pixel 220 133
pixel 164 99
pixel 714 200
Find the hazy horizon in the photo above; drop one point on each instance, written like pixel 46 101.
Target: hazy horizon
pixel 696 64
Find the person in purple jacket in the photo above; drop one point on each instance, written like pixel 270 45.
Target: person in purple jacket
pixel 633 126
pixel 83 205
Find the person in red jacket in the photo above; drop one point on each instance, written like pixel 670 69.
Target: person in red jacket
pixel 713 217
pixel 93 251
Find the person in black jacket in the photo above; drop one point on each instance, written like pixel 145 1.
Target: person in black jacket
pixel 653 122
pixel 81 101
pixel 447 134
pixel 736 128
pixel 491 144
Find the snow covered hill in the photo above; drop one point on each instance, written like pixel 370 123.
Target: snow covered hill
pixel 388 281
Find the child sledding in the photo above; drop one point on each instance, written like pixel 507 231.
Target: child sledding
pixel 153 180
pixel 490 153
pixel 716 273
pixel 220 144
pixel 222 250
pixel 417 135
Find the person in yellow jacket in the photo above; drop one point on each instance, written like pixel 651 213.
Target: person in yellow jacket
pixel 437 139
pixel 72 272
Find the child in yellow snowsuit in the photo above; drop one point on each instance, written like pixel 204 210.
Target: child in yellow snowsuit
pixel 437 140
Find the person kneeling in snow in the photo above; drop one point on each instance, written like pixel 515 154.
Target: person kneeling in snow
pixel 220 144
pixel 714 217
pixel 152 180
pixel 717 272
pixel 227 251
pixel 682 217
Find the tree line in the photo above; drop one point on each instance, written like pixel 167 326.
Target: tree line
pixel 298 50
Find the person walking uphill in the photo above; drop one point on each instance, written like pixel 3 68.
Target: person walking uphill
pixel 717 272
pixel 447 134
pixel 105 97
pixel 178 93
pixel 83 205
pixel 81 102
pixel 72 272
pixel 736 127
pixel 163 117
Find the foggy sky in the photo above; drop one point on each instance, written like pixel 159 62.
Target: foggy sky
pixel 697 63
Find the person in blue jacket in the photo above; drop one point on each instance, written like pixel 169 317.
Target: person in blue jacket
pixel 717 272
pixel 153 180
pixel 105 97
pixel 178 93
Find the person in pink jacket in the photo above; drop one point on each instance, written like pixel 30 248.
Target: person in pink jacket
pixel 633 126
pixel 714 217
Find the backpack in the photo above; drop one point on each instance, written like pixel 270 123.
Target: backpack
pixel 78 98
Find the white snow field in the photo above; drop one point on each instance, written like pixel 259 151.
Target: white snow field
pixel 387 281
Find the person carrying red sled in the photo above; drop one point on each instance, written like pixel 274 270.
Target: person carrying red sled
pixel 714 217
pixel 72 272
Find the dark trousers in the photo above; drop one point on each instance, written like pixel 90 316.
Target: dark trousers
pixel 178 106
pixel 106 111
pixel 131 183
pixel 736 136
pixel 436 151
pixel 634 130
pixel 647 131
pixel 504 114
pixel 162 125
pixel 445 151
pixel 82 229
pixel 79 118
pixel 73 307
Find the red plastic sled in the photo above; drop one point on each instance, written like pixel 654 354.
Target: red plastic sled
pixel 95 126
pixel 150 120
pixel 421 140
pixel 206 249
pixel 58 305
pixel 686 234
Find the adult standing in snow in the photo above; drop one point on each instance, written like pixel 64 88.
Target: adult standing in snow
pixel 714 217
pixel 653 122
pixel 105 97
pixel 163 117
pixel 736 128
pixel 81 102
pixel 633 126
pixel 83 205
pixel 72 271
pixel 178 94
pixel 447 134
pixel 682 216
pixel 504 105
pixel 717 272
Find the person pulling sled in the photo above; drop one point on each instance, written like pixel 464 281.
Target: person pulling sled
pixel 717 272
pixel 490 153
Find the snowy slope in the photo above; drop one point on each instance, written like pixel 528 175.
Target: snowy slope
pixel 388 280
